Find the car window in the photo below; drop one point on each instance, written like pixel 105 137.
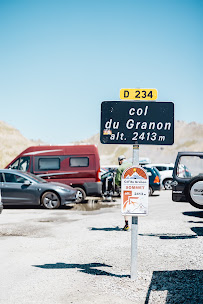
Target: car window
pixel 33 177
pixel 149 171
pixel 1 178
pixel 13 178
pixel 24 163
pixel 15 164
pixel 161 168
pixel 49 163
pixel 189 166
pixel 36 178
pixel 21 163
pixel 79 161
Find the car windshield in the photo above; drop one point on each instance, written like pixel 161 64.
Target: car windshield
pixel 34 177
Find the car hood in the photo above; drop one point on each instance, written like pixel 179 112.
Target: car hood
pixel 63 186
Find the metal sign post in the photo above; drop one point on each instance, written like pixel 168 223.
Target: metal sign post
pixel 134 227
pixel 135 123
pixel 134 201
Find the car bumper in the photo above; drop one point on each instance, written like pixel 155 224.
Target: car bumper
pixel 156 187
pixel 93 189
pixel 68 198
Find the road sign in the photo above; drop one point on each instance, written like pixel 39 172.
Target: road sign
pixel 137 123
pixel 134 191
pixel 138 94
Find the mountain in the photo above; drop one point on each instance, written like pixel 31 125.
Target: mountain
pixel 188 137
pixel 12 143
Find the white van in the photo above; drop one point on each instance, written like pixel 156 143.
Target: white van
pixel 166 172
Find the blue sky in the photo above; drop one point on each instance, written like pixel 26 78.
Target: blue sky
pixel 60 59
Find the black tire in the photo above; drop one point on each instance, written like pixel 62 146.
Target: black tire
pixel 195 192
pixel 50 200
pixel 167 184
pixel 150 191
pixel 81 195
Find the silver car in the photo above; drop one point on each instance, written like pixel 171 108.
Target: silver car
pixel 20 188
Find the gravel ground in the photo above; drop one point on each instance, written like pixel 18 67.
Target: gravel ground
pixel 81 255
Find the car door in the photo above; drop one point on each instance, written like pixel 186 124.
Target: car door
pixel 15 191
pixel 187 166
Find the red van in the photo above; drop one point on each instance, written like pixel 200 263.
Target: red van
pixel 76 165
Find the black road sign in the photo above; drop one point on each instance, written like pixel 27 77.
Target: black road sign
pixel 146 123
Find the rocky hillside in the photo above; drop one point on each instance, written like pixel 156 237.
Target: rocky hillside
pixel 11 143
pixel 188 137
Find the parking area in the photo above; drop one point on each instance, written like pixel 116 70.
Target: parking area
pixel 80 254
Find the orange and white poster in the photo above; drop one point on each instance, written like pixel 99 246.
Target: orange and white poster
pixel 134 191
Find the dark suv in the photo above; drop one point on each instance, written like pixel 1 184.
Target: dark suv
pixel 187 185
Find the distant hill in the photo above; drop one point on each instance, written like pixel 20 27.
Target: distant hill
pixel 188 137
pixel 12 143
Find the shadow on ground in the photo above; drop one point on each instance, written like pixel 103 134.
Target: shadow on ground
pixel 196 222
pixel 194 213
pixel 87 205
pixel 170 236
pixel 17 207
pixel 91 268
pixel 182 286
pixel 106 229
pixel 197 230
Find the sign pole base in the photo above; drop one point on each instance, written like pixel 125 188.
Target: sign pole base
pixel 134 227
pixel 134 234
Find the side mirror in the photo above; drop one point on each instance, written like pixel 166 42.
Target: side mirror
pixel 27 183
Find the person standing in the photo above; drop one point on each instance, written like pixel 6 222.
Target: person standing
pixel 123 164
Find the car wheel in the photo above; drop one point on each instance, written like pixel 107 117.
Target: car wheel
pixel 167 184
pixel 195 192
pixel 150 191
pixel 50 200
pixel 80 196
